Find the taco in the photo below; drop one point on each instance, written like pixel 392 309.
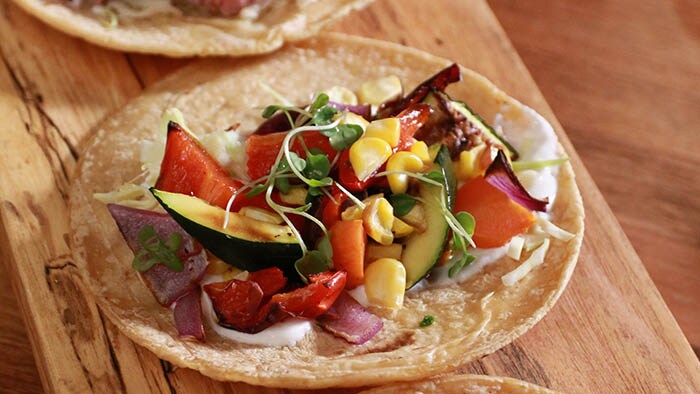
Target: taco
pixel 463 384
pixel 182 28
pixel 231 188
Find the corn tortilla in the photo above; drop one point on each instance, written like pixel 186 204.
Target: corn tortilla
pixel 190 35
pixel 474 318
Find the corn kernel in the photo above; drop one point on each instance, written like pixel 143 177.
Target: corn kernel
pixel 378 219
pixel 420 149
pixel 367 155
pixel 347 117
pixel 352 213
pixel 341 94
pixel 388 129
pixel 376 252
pixel 385 283
pixel 468 165
pixel 380 90
pixel 262 215
pixel 402 161
pixel 296 196
pixel 401 228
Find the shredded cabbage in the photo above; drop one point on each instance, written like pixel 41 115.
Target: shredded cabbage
pixel 515 247
pixel 130 195
pixel 535 259
pixel 551 229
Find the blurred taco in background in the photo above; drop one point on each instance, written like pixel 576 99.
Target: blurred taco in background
pixel 181 28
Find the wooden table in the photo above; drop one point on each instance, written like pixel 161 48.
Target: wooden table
pixel 610 332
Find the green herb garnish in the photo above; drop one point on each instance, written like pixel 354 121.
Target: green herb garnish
pixel 402 203
pixel 156 251
pixel 428 320
pixel 315 261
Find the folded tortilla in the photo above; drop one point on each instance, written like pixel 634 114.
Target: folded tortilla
pixel 196 35
pixel 472 319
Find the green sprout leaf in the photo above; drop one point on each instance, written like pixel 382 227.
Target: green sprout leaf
pixel 344 136
pixel 428 320
pixel 320 101
pixel 270 110
pixel 324 246
pixel 402 203
pixel 302 208
pixel 282 184
pixel 296 161
pixel 467 221
pixel 436 176
pixel 311 263
pixel 464 261
pixel 154 251
pixel 323 182
pixel 317 166
pixel 324 116
pixel 255 190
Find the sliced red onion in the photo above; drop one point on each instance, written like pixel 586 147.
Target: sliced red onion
pixel 438 81
pixel 166 285
pixel 188 315
pixel 501 176
pixel 349 320
pixel 363 110
pixel 276 123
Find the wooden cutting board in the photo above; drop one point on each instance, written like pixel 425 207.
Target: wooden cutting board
pixel 610 332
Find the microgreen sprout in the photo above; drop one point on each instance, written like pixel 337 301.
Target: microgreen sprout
pixel 156 251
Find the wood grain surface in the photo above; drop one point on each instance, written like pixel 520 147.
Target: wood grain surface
pixel 610 332
pixel 623 78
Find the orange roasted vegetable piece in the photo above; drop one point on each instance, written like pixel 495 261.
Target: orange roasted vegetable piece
pixel 348 240
pixel 498 218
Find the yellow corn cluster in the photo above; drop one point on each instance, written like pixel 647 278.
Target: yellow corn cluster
pixel 388 129
pixel 402 161
pixel 378 220
pixel 469 163
pixel 401 228
pixel 385 282
pixel 420 149
pixel 347 117
pixel 367 155
pixel 341 94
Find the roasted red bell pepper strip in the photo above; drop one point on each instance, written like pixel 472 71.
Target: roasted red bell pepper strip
pixel 313 300
pixel 411 119
pixel 271 280
pixel 188 168
pixel 262 150
pixel 241 304
pixel 332 208
pixel 438 81
pixel 236 302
